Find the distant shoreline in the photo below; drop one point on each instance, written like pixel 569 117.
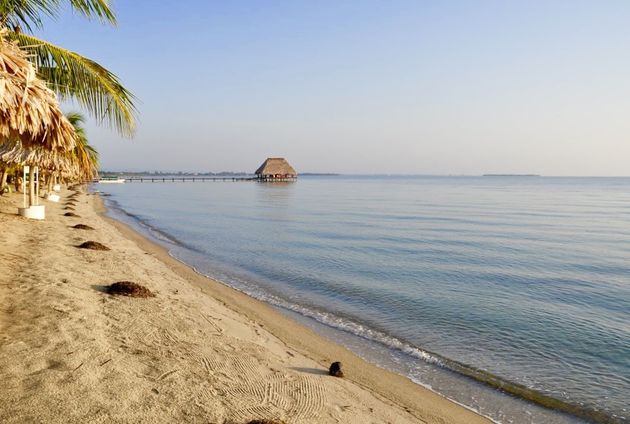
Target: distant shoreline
pixel 206 174
pixel 511 175
pixel 325 174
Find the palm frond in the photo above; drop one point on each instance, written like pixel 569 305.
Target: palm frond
pixel 25 13
pixel 29 13
pixel 84 155
pixel 94 156
pixel 76 119
pixel 73 76
pixel 95 8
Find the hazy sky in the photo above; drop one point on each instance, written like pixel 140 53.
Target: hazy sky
pixel 419 87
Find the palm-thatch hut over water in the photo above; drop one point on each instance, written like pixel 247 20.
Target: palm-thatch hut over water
pixel 276 169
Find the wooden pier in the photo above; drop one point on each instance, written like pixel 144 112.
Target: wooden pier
pixel 185 179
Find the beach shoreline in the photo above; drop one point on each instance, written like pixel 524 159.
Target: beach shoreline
pixel 120 368
pixel 394 387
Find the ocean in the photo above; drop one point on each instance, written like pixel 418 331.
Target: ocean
pixel 463 284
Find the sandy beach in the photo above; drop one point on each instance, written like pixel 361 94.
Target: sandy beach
pixel 196 352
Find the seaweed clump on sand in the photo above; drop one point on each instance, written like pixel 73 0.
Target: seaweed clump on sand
pixel 93 245
pixel 129 288
pixel 265 422
pixel 335 370
pixel 71 214
pixel 82 227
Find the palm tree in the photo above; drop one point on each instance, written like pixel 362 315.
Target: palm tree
pixel 69 74
pixel 4 174
pixel 84 155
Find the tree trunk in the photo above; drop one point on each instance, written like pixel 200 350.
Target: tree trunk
pixel 43 181
pixel 31 185
pixel 50 182
pixel 3 180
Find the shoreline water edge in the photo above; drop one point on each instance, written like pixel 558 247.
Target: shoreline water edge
pixel 534 405
pixel 394 387
pixel 198 351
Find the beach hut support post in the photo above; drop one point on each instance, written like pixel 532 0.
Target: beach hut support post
pixel 24 170
pixel 32 194
pixel 3 179
pixel 33 185
pixel 33 210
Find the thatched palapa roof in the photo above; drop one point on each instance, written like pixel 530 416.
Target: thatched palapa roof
pixel 29 110
pixel 16 154
pixel 276 166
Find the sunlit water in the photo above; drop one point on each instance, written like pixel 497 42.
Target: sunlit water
pixel 527 278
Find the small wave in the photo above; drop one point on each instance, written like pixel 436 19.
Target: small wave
pixel 393 343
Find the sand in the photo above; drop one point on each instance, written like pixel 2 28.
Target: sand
pixel 196 352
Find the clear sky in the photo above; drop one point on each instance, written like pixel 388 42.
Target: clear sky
pixel 414 87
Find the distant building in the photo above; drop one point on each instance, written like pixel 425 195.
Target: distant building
pixel 276 169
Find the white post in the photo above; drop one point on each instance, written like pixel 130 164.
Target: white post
pixel 32 209
pixel 36 178
pixel 24 171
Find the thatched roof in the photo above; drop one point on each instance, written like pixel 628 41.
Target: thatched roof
pixel 29 110
pixel 69 164
pixel 275 166
pixel 16 154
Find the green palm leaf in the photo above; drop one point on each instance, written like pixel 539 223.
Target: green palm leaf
pixel 26 13
pixel 83 154
pixel 74 76
pixel 93 8
pixel 29 13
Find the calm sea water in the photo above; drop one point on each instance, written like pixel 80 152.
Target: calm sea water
pixel 524 278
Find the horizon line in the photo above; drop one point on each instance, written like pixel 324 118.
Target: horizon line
pixel 341 174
